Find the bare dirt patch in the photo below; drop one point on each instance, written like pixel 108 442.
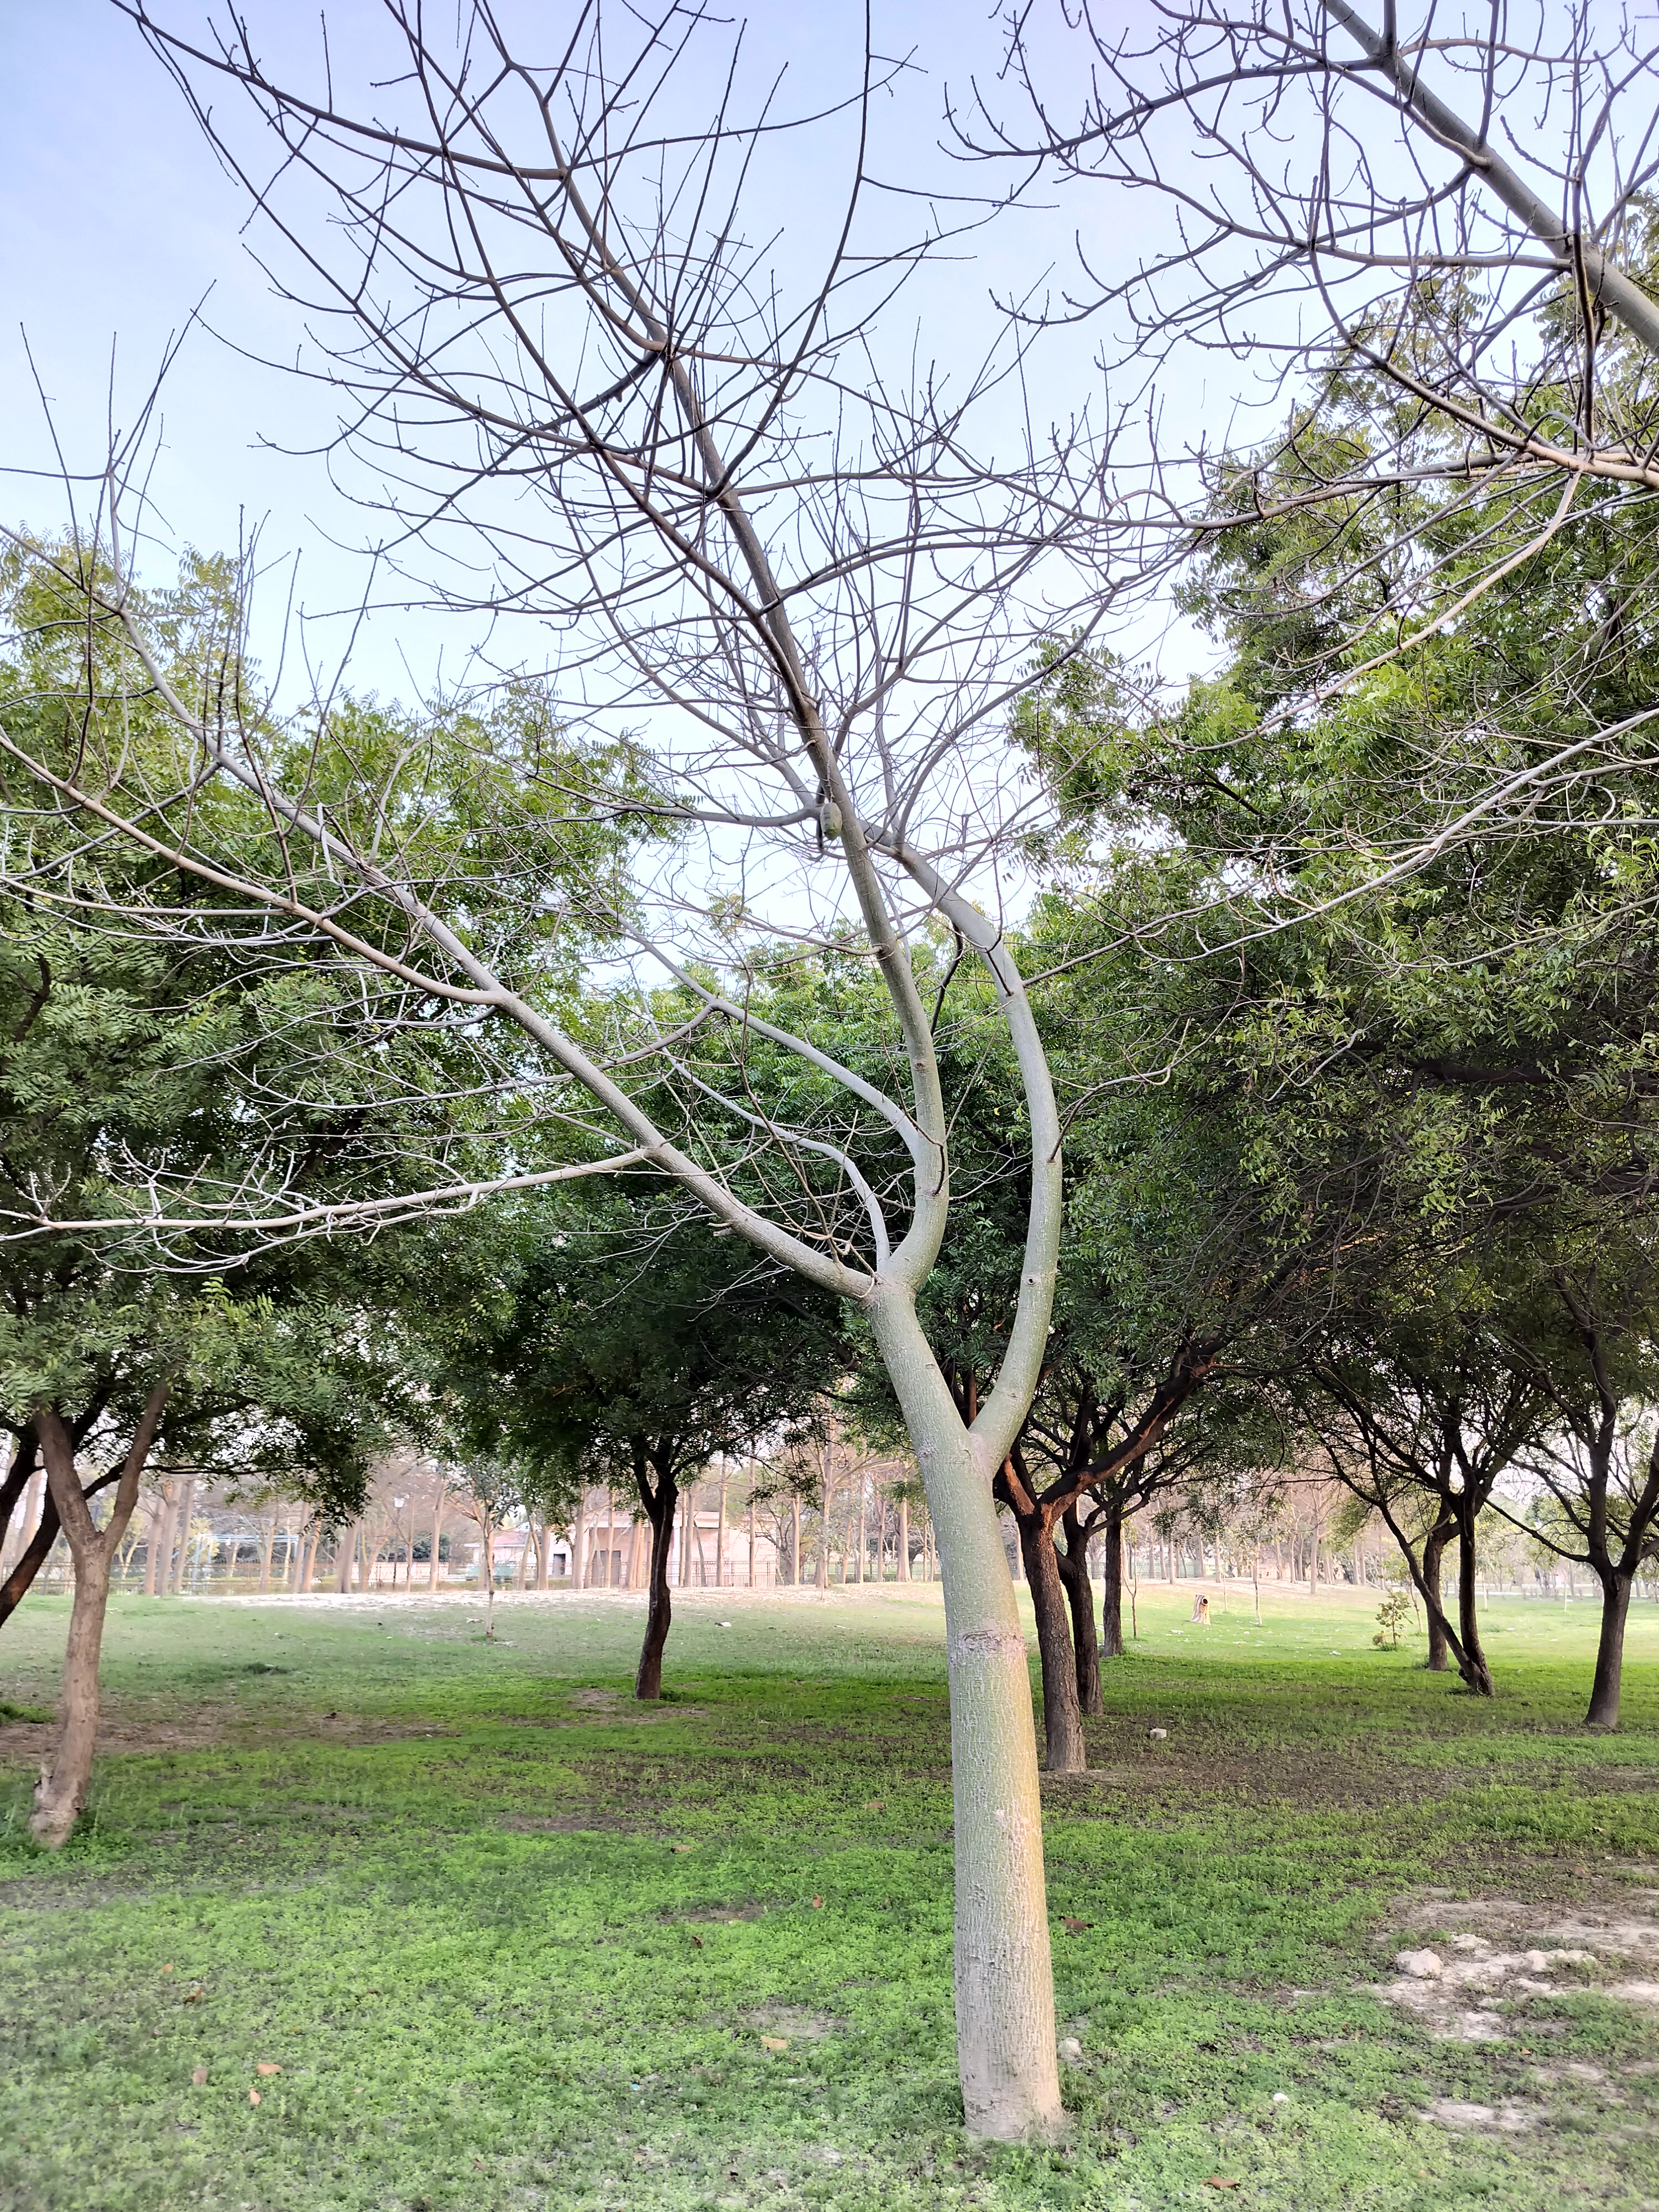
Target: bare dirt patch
pixel 25 1743
pixel 792 2022
pixel 1472 1969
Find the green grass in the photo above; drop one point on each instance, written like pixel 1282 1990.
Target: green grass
pixel 515 1944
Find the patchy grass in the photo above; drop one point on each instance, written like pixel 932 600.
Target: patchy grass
pixel 513 1941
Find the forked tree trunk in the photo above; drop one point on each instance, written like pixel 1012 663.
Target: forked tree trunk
pixel 659 1506
pixel 1005 1996
pixel 1616 1586
pixel 1074 1564
pixel 62 1789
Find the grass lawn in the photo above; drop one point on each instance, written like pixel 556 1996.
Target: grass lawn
pixel 513 1942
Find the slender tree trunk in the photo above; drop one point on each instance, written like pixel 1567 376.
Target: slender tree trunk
pixel 1434 1553
pixel 720 1535
pixel 184 1514
pixel 659 1508
pixel 824 1540
pixel 752 1538
pixel 434 1562
pixel 1111 1589
pixel 1005 2006
pixel 1065 1751
pixel 266 1551
pixel 858 1569
pixel 794 1556
pixel 62 1789
pixel 1616 1586
pixel 1474 1670
pixel 160 1559
pixel 903 1539
pixel 1072 1564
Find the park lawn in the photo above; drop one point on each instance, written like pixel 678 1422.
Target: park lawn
pixel 513 1942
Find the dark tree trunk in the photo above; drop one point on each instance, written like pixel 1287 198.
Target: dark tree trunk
pixel 21 1580
pixel 1610 1650
pixel 1073 1565
pixel 660 1501
pixel 1434 1553
pixel 1472 1666
pixel 1062 1721
pixel 18 1477
pixel 1111 1580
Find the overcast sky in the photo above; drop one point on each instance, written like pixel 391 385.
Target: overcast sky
pixel 116 222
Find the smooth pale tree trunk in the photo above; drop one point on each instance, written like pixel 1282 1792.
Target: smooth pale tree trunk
pixel 544 1546
pixel 308 1568
pixel 903 1539
pixel 1005 1994
pixel 795 1576
pixel 751 1541
pixel 160 1518
pixel 437 1542
pixel 62 1789
pixel 1616 1585
pixel 183 1513
pixel 342 1561
pixel 719 1537
pixel 823 1540
pixel 265 1550
pixel 579 1545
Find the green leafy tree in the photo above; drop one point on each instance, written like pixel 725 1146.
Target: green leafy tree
pixel 623 1342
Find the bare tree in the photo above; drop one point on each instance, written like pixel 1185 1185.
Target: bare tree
pixel 574 389
pixel 1423 241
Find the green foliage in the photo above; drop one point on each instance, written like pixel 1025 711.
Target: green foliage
pixel 607 1337
pixel 1391 1615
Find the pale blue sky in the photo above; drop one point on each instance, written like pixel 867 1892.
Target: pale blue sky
pixel 115 219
